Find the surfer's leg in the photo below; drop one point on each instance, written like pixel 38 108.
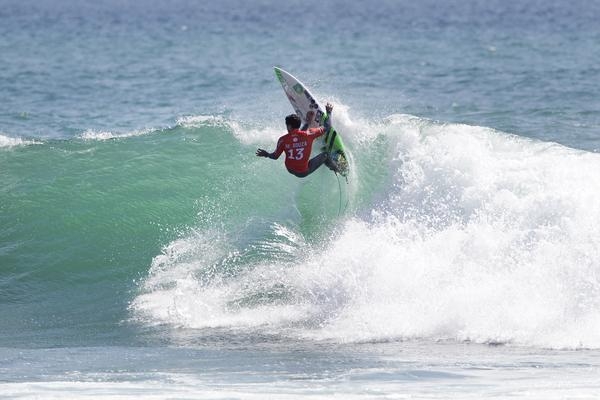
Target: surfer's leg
pixel 317 161
pixel 323 158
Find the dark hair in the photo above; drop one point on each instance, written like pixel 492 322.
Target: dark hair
pixel 293 120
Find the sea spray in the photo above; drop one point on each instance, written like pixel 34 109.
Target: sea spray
pixel 479 236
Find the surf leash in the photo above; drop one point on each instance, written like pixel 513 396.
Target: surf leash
pixel 340 191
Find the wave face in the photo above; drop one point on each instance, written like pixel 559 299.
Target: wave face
pixel 453 232
pixel 446 232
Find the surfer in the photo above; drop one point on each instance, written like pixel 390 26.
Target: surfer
pixel 297 144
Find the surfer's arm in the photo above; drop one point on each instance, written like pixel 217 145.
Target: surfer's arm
pixel 310 116
pixel 326 123
pixel 327 120
pixel 274 155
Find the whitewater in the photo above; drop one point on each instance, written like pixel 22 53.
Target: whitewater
pixel 472 254
pixel 473 235
pixel 145 251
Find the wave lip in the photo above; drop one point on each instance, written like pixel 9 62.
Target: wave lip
pixel 8 141
pixel 195 121
pixel 92 134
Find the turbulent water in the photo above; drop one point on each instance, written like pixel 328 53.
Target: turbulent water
pixel 145 249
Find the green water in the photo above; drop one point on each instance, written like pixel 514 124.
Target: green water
pixel 82 220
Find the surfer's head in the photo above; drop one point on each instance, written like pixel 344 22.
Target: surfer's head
pixel 293 121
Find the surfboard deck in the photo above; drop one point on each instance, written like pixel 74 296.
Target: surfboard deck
pixel 302 102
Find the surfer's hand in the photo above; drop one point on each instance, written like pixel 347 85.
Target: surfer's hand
pixel 328 108
pixel 310 116
pixel 262 153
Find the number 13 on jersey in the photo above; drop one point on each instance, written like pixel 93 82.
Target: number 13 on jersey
pixel 296 154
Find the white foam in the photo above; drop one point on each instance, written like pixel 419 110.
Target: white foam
pixel 197 386
pixel 292 375
pixel 245 132
pixel 8 141
pixel 487 238
pixel 195 121
pixel 482 236
pixel 92 134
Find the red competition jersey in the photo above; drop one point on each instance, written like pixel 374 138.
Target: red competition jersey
pixel 297 146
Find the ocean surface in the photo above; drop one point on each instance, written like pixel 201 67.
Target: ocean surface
pixel 146 252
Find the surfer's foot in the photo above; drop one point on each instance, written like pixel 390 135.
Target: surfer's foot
pixel 331 164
